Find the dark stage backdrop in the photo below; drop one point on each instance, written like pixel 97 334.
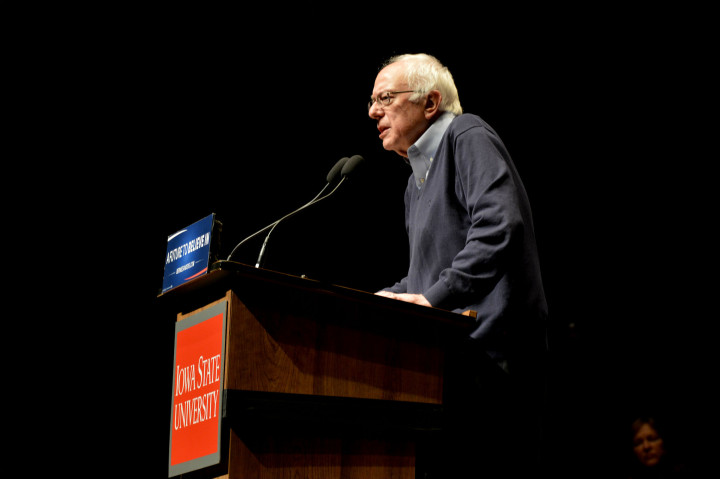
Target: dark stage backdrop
pixel 205 122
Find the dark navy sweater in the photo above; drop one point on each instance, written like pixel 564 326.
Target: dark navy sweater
pixel 472 244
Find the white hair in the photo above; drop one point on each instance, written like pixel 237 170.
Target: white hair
pixel 424 73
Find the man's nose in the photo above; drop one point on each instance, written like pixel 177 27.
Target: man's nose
pixel 375 112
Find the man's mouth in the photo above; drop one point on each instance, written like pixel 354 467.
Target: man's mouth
pixel 382 130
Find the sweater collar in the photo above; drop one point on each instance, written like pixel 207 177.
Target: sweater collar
pixel 421 154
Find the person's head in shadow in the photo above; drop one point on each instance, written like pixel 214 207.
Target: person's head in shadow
pixel 648 442
pixel 653 453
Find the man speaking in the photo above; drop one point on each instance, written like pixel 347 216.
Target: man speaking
pixel 471 238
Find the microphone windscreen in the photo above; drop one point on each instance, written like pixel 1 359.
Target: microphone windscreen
pixel 351 165
pixel 335 171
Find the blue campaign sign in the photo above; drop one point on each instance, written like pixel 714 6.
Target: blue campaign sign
pixel 188 253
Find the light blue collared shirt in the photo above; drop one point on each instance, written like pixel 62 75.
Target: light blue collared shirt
pixel 421 154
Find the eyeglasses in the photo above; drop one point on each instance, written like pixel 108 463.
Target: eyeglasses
pixel 385 98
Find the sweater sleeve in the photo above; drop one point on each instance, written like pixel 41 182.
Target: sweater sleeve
pixel 485 188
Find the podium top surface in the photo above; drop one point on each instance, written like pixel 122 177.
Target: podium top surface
pixel 224 275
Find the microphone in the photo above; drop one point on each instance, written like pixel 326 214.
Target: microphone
pixel 334 172
pixel 344 168
pixel 350 166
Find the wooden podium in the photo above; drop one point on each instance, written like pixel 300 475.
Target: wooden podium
pixel 322 381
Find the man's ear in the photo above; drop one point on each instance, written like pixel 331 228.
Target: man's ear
pixel 432 104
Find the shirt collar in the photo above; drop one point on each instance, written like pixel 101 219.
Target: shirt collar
pixel 421 154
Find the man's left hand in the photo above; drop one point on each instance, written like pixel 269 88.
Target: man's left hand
pixel 407 297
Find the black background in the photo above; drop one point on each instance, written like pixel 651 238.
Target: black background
pixel 187 118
